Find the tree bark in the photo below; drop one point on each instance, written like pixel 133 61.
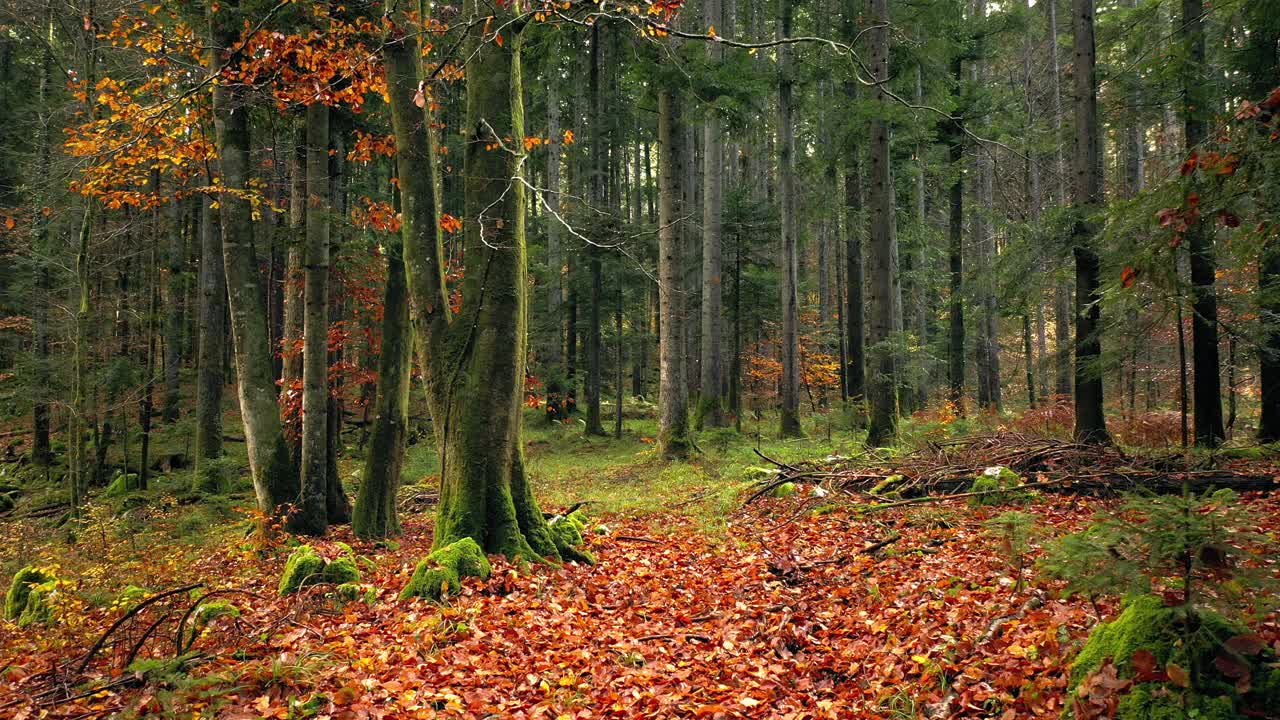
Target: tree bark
pixel 598 172
pixel 673 419
pixel 474 364
pixel 212 338
pixel 789 392
pixel 955 255
pixel 885 297
pixel 175 315
pixel 555 262
pixel 1207 387
pixel 1090 423
pixel 275 476
pixel 375 509
pixel 710 402
pixel 293 282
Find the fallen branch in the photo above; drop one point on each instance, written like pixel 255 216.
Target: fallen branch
pixel 978 493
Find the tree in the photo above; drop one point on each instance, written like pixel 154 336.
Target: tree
pixel 1207 389
pixel 855 363
pixel 1091 426
pixel 375 509
pixel 789 421
pixel 885 296
pixel 311 517
pixel 473 362
pixel 275 474
pixel 710 402
pixel 212 326
pixel 673 419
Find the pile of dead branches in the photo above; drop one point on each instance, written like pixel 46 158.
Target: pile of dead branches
pixel 1051 464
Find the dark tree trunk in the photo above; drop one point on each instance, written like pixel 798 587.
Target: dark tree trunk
pixel 1091 424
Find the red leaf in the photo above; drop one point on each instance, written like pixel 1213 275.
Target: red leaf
pixel 1178 675
pixel 1246 644
pixel 1127 277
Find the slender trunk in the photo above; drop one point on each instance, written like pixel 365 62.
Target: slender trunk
pixel 789 423
pixel 885 297
pixel 212 338
pixel 673 419
pixel 41 449
pixel 555 284
pixel 955 252
pixel 175 313
pixel 710 404
pixel 1207 390
pixel 275 475
pixel 1091 424
pixel 290 349
pixel 1062 315
pixel 1030 359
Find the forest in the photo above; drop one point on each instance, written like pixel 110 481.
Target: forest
pixel 650 359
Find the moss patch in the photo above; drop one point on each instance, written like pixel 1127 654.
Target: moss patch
pixel 25 601
pixel 992 481
pixel 122 484
pixel 1193 642
pixel 306 567
pixel 566 533
pixel 786 489
pixel 441 572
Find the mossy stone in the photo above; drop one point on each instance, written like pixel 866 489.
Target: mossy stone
pixel 342 570
pixel 441 572
pixel 991 481
pixel 121 485
pixel 207 612
pixel 304 567
pixel 786 489
pixel 20 590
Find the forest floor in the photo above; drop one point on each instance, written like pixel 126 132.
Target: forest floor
pixel 700 605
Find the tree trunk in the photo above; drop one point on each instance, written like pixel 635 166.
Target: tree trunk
pixel 555 284
pixel 175 314
pixel 41 450
pixel 599 153
pixel 474 365
pixel 673 419
pixel 1091 424
pixel 275 476
pixel 1207 388
pixel 710 402
pixel 955 254
pixel 375 510
pixel 789 392
pixel 212 337
pixel 293 282
pixel 1062 311
pixel 885 297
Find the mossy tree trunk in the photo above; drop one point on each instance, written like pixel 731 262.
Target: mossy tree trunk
pixel 673 419
pixel 311 516
pixel 375 511
pixel 212 336
pixel 473 363
pixel 275 476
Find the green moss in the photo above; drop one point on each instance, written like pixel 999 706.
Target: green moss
pixel 1147 701
pixel 37 611
pixel 1192 641
pixel 342 570
pixel 352 592
pixel 567 534
pixel 207 612
pixel 786 489
pixel 122 484
pixel 441 572
pixel 304 567
pixel 992 480
pixel 20 590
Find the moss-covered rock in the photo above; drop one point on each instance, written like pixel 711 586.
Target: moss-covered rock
pixel 209 611
pixel 352 592
pixel 441 572
pixel 122 484
pixel 342 570
pixel 992 481
pixel 6 502
pixel 1195 642
pixel 25 583
pixel 786 489
pixel 304 567
pixel 567 534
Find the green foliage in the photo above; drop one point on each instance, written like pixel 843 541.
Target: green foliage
pixel 215 476
pixel 122 484
pixel 1199 547
pixel 25 601
pixel 1178 660
pixel 440 573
